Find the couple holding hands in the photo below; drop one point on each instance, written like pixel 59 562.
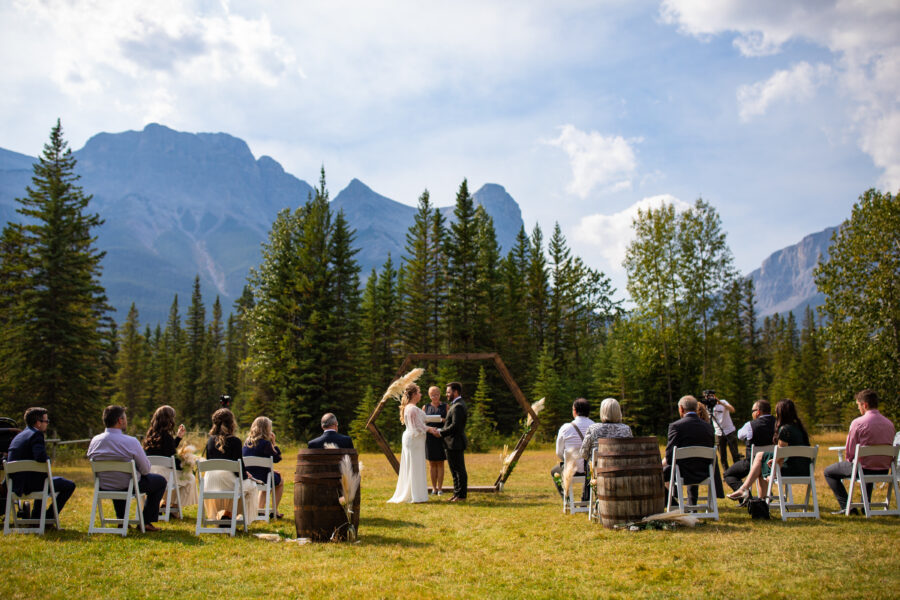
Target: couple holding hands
pixel 412 484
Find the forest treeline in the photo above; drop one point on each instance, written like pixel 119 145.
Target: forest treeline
pixel 308 337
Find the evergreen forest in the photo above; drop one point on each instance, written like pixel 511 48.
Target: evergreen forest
pixel 311 334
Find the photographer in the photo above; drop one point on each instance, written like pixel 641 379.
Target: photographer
pixel 726 432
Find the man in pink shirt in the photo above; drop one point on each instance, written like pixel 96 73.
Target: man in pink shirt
pixel 871 429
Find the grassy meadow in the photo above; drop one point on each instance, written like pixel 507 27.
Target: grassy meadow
pixel 516 544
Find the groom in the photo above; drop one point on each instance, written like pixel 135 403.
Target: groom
pixel 454 436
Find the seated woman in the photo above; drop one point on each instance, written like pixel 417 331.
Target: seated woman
pixel 160 441
pixel 789 432
pixel 261 442
pixel 222 443
pixel 610 426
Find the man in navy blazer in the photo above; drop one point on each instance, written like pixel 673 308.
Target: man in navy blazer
pixel 330 435
pixel 689 430
pixel 29 445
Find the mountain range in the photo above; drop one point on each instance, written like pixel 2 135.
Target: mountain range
pixel 180 204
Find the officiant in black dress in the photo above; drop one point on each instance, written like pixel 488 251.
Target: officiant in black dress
pixel 434 446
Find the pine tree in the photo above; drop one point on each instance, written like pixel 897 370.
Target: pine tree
pixel 547 386
pixel 132 381
pixel 172 374
pixel 481 431
pixel 362 437
pixel 53 355
pixel 538 288
pixel 195 340
pixel 212 380
pixel 461 274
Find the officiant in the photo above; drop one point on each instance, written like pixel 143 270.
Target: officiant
pixel 435 413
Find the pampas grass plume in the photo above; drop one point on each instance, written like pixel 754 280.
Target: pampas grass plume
pixel 395 390
pixel 537 407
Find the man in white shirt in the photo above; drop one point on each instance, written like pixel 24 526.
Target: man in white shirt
pixel 571 435
pixel 726 432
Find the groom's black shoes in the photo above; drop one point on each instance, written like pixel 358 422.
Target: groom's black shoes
pixel 457 499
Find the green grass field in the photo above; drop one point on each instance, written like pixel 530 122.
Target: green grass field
pixel 516 544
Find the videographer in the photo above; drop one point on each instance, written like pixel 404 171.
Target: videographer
pixel 726 432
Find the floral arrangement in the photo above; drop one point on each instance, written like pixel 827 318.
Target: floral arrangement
pixel 349 489
pixel 188 457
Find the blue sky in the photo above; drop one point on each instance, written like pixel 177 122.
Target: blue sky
pixel 778 113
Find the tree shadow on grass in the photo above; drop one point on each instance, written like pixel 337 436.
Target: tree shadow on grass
pixel 382 522
pixel 386 540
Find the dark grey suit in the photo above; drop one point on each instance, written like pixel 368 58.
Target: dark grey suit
pixel 690 430
pixel 454 436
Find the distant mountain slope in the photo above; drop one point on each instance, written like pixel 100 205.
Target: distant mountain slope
pixel 381 223
pixel 785 281
pixel 178 204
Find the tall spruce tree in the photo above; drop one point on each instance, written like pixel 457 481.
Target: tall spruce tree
pixel 54 353
pixel 132 384
pixel 462 254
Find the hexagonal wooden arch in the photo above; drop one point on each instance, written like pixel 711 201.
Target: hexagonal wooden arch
pixel 513 387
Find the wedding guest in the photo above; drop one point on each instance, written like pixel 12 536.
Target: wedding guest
pixel 610 426
pixel 689 430
pixel 790 432
pixel 571 436
pixel 160 441
pixel 29 445
pixel 113 444
pixel 222 443
pixel 870 429
pixel 330 434
pixel 434 446
pixel 261 442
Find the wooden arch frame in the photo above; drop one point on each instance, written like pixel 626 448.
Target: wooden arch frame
pixel 513 387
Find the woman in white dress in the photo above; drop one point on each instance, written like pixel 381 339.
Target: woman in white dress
pixel 412 484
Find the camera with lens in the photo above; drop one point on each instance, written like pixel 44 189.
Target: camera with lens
pixel 709 399
pixel 225 401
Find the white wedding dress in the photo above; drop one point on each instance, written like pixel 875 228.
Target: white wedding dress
pixel 412 483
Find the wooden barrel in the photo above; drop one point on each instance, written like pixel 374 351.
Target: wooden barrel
pixel 317 487
pixel 629 479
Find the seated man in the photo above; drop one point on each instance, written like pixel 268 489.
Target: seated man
pixel 758 432
pixel 689 430
pixel 113 444
pixel 871 429
pixel 571 436
pixel 29 445
pixel 330 435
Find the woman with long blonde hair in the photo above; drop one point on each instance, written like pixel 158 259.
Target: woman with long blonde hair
pixel 412 483
pixel 261 442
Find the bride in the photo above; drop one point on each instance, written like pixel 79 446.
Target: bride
pixel 412 485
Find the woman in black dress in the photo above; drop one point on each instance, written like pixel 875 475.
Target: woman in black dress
pixel 434 446
pixel 789 431
pixel 161 439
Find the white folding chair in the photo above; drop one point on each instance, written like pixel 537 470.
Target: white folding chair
pixel 570 504
pixel 863 479
pixel 754 450
pixel 167 463
pixel 709 508
pixel 785 499
pixel 839 450
pixel 11 522
pixel 131 492
pixel 219 464
pixel 267 487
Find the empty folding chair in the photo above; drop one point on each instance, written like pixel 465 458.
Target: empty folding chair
pixel 165 466
pixel 863 480
pixel 267 487
pixel 12 523
pixel 709 508
pixel 132 492
pixel 204 467
pixel 785 498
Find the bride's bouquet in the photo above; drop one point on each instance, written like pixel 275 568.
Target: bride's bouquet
pixel 188 458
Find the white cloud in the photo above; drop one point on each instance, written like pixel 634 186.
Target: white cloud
pixel 140 52
pixel 611 234
pixel 797 83
pixel 596 160
pixel 861 35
